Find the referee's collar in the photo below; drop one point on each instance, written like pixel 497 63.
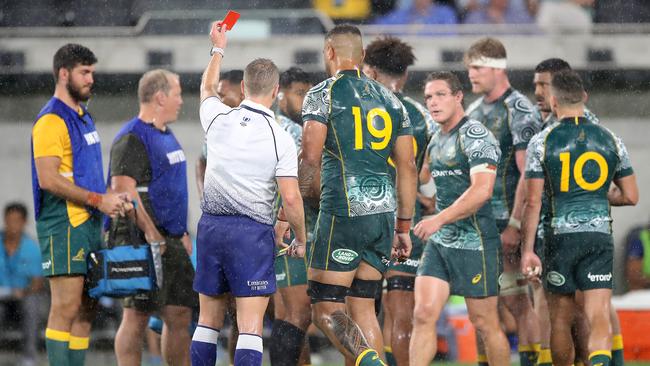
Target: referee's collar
pixel 256 107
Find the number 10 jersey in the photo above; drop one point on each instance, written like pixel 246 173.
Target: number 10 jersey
pixel 578 160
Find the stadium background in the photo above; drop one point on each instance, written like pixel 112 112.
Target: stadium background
pixel 130 37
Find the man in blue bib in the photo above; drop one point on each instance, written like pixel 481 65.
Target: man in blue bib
pixel 148 162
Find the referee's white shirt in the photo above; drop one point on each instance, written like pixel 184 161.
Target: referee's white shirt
pixel 247 151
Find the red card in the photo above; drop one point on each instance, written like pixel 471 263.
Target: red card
pixel 230 19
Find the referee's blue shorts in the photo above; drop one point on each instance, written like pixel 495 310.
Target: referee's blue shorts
pixel 234 254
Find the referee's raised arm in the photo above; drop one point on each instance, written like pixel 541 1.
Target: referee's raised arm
pixel 210 77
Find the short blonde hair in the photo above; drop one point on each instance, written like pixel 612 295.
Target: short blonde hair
pixel 261 76
pixel 154 81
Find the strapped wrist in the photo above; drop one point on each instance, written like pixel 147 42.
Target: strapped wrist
pixel 218 50
pixel 403 225
pixel 514 223
pixel 94 199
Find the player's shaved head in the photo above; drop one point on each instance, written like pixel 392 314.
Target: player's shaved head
pixel 346 42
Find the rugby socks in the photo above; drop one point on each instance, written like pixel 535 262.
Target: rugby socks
pixel 482 360
pixel 57 344
pixel 77 348
pixel 544 358
pixel 617 350
pixel 528 354
pixel 203 350
pixel 600 358
pixel 369 357
pixel 390 359
pixel 249 350
pixel 287 343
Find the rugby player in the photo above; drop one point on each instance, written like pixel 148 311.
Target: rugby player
pixel 235 241
pixel 462 254
pixel 508 115
pixel 387 60
pixel 544 72
pixel 69 199
pixel 293 312
pixel 574 161
pixel 352 125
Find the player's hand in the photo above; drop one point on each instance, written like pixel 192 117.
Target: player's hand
pixel 218 35
pixel 402 247
pixel 187 243
pixel 425 228
pixel 281 233
pixel 531 266
pixel 428 204
pixel 114 205
pixel 510 240
pixel 296 249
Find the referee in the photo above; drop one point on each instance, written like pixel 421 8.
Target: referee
pixel 248 153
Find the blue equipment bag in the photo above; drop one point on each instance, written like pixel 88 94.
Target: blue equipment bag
pixel 121 271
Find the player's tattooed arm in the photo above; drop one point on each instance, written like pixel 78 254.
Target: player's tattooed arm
pixel 313 142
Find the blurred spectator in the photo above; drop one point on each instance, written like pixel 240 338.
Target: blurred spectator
pixel 637 258
pixel 561 16
pixel 21 281
pixel 623 11
pixel 346 10
pixel 421 12
pixel 500 12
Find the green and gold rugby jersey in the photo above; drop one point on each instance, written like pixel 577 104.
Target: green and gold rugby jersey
pixel 423 128
pixel 550 119
pixel 363 121
pixel 511 120
pixel 295 130
pixel 451 157
pixel 578 160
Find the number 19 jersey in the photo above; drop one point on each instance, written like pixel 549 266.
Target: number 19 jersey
pixel 363 121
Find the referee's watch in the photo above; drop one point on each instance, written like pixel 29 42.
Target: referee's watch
pixel 218 50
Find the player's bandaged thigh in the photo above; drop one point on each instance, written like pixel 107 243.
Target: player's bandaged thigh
pixel 400 283
pixel 367 289
pixel 322 292
pixel 512 283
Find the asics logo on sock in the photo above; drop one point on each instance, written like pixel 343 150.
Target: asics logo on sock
pixel 599 277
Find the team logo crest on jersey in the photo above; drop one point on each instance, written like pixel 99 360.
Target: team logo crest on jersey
pixel 476 279
pixel 80 257
pixel 46 265
pixel 555 278
pixel 344 256
pixel 244 121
